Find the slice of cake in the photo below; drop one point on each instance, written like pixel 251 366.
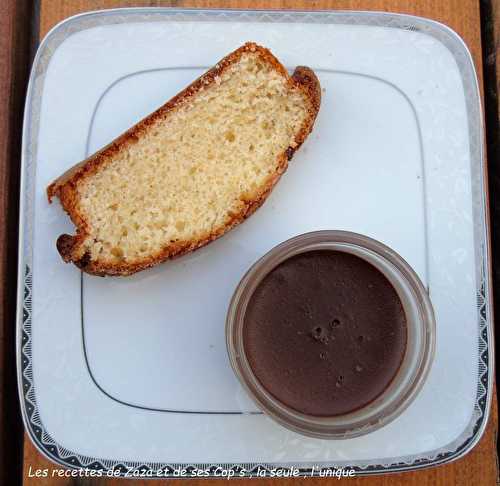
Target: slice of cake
pixel 190 171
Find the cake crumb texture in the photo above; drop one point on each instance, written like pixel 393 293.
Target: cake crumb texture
pixel 190 171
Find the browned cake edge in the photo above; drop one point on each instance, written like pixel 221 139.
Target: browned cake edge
pixel 65 186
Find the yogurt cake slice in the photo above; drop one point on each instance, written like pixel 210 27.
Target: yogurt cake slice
pixel 190 171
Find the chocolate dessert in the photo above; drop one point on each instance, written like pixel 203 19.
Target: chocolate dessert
pixel 325 333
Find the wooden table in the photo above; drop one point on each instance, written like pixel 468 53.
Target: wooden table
pixel 479 467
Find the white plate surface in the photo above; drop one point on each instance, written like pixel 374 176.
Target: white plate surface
pixel 113 365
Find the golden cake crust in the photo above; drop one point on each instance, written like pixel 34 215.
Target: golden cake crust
pixel 65 187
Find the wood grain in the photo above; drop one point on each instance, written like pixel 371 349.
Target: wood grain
pixel 479 467
pixel 14 63
pixel 493 56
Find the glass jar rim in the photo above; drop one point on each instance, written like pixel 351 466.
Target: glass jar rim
pixel 419 352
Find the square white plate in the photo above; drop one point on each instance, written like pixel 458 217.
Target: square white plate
pixel 133 371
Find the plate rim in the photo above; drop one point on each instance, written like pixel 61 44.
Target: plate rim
pixel 23 315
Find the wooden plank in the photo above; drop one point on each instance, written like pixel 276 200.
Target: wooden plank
pixel 14 62
pixel 494 51
pixel 460 15
pixel 490 14
pixel 479 467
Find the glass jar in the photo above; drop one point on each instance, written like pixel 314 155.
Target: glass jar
pixel 416 362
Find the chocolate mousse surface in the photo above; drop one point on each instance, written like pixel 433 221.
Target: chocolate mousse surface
pixel 325 332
